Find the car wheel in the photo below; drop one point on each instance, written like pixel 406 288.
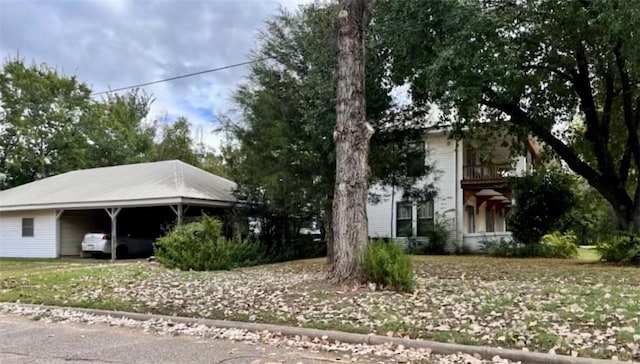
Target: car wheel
pixel 122 251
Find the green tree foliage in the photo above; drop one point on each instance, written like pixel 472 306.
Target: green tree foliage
pixel 118 130
pixel 41 122
pixel 531 66
pixel 590 219
pixel 176 142
pixel 49 125
pixel 283 157
pixel 542 199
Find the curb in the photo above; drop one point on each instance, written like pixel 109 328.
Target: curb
pixel 351 338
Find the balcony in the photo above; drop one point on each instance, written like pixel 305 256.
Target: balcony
pixel 483 175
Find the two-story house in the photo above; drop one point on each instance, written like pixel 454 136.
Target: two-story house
pixel 473 198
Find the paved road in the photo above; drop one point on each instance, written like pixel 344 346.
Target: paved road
pixel 24 341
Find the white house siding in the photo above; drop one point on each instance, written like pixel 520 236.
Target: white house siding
pixel 380 214
pixel 41 245
pixel 73 226
pixel 441 153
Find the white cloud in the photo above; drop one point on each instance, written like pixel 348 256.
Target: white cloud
pixel 115 43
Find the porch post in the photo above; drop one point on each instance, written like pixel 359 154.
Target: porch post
pixel 179 210
pixel 58 214
pixel 113 214
pixel 459 202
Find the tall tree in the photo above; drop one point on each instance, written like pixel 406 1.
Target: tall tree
pixel 284 156
pixel 285 159
pixel 352 136
pixel 41 118
pixel 534 66
pixel 118 130
pixel 176 142
pixel 49 125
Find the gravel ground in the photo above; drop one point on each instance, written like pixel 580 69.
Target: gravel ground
pixel 374 353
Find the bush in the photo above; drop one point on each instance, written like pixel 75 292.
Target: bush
pixel 499 248
pixel 434 242
pixel 564 246
pixel 621 249
pixel 542 199
pixel 201 246
pixel 387 265
pixel 553 246
pixel 304 247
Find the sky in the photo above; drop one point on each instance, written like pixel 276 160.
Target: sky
pixel 116 43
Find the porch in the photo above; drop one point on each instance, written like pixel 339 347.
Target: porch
pixel 485 214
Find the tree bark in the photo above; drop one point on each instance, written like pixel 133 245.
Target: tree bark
pixel 352 135
pixel 328 228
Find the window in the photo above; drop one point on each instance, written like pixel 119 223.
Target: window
pixel 27 227
pixel 416 159
pixel 404 219
pixel 425 218
pixel 491 218
pixel 471 219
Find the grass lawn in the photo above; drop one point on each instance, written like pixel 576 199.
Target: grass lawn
pixel 588 254
pixel 11 267
pixel 577 307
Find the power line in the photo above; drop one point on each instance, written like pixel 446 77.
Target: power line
pixel 409 27
pixel 183 76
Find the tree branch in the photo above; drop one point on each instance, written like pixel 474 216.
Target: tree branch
pixel 608 103
pixel 615 194
pixel 627 106
pixel 564 75
pixel 594 132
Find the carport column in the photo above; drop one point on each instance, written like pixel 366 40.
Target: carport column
pixel 58 237
pixel 179 210
pixel 113 214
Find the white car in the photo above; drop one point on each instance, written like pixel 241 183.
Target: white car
pixel 100 244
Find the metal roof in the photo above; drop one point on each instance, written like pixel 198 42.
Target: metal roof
pixel 131 185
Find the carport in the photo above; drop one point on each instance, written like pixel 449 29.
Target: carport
pixel 145 198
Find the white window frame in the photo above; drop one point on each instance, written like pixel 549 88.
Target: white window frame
pixel 415 219
pixel 398 218
pixel 430 215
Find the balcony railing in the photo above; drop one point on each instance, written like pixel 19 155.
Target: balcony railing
pixel 487 172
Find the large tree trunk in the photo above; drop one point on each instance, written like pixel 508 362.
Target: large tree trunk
pixel 352 135
pixel 627 220
pixel 328 228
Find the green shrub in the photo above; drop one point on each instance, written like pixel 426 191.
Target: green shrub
pixel 499 248
pixel 553 246
pixel 303 247
pixel 433 243
pixel 564 246
pixel 201 246
pixel 621 249
pixel 386 264
pixel 542 200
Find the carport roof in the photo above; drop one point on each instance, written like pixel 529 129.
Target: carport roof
pixel 131 185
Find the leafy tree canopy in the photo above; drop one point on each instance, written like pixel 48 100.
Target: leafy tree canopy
pixel 49 124
pixel 284 152
pixel 533 67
